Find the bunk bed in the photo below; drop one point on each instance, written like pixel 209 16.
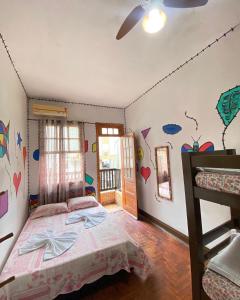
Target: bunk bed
pixel 222 186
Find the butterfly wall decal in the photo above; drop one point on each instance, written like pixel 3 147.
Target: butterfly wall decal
pixel 206 147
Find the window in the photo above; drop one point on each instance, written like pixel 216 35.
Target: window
pixel 63 153
pixel 104 131
pixel 62 160
pixel 115 131
pixel 110 131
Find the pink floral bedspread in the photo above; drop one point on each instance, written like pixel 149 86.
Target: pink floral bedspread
pixel 101 250
pixel 218 287
pixel 228 183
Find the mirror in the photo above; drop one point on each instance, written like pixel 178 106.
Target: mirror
pixel 163 172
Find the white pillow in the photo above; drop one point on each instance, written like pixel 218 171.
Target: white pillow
pixel 227 262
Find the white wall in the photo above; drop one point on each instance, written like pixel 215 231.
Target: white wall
pixel 195 89
pixel 13 109
pixel 76 112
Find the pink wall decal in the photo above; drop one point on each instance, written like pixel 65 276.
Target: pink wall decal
pixel 16 181
pixel 145 132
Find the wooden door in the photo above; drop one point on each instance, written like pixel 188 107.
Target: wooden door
pixel 107 130
pixel 129 188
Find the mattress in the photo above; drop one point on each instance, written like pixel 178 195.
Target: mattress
pixel 98 251
pixel 228 182
pixel 218 287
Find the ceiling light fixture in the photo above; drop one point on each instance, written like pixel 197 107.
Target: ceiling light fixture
pixel 154 21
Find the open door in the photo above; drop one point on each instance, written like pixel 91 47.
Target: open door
pixel 129 188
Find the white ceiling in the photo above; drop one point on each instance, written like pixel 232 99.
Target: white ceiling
pixel 66 49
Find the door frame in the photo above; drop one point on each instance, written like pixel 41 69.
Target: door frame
pixel 99 127
pixel 129 135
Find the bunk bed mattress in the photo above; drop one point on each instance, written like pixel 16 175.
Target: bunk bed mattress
pixel 101 250
pixel 222 182
pixel 218 287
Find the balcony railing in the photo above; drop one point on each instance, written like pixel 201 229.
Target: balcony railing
pixel 110 179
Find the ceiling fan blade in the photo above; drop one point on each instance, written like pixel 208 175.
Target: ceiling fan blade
pixel 132 19
pixel 184 3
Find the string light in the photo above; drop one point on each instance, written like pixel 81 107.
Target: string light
pixel 183 65
pixel 12 62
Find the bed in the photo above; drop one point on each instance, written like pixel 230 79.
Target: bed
pixel 213 177
pixel 222 180
pixel 218 287
pixel 98 251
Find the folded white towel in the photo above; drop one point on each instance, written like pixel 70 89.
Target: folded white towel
pixel 90 219
pixel 227 262
pixel 55 244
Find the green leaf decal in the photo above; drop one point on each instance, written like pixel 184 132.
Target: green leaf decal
pixel 229 105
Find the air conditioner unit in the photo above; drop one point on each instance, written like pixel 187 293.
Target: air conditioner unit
pixel 49 111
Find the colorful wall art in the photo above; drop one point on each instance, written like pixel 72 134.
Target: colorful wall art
pixel 16 181
pixel 33 201
pixel 4 140
pixel 140 153
pixel 13 120
pixel 171 129
pixel 36 154
pixel 206 147
pixel 228 107
pixel 89 179
pixel 170 144
pixel 90 191
pixel 94 147
pixel 191 100
pixel 192 118
pixel 145 172
pixel 145 132
pixel 3 203
pixel 19 140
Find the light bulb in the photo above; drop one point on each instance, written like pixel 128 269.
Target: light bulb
pixel 154 21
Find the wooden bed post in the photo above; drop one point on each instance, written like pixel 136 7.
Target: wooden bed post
pixel 194 229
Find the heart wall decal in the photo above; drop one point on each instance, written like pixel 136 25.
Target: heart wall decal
pixel 145 172
pixel 16 181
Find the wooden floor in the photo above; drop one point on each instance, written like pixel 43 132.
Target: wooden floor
pixel 169 278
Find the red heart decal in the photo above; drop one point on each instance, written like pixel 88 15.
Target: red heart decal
pixel 145 172
pixel 17 181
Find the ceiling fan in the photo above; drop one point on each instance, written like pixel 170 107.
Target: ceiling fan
pixel 140 11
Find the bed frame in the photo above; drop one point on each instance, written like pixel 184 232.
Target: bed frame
pixel 6 237
pixel 198 241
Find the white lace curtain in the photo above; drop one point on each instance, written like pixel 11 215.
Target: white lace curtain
pixel 62 166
